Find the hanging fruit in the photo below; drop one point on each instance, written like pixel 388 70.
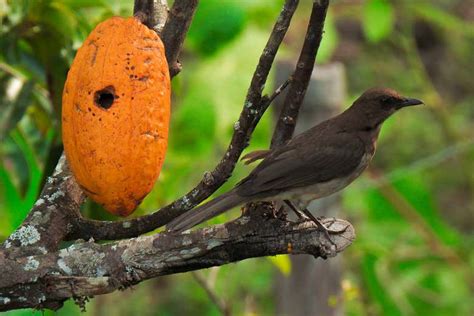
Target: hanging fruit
pixel 115 114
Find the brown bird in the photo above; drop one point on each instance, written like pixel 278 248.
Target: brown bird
pixel 314 164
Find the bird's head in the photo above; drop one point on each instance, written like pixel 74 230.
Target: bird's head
pixel 377 104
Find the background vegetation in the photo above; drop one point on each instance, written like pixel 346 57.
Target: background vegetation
pixel 414 212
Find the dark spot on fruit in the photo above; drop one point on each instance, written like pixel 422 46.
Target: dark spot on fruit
pixel 104 98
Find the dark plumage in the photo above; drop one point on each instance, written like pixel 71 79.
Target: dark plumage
pixel 314 164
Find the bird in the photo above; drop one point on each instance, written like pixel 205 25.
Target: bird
pixel 316 163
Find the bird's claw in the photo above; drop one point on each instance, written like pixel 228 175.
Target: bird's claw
pixel 328 222
pixel 326 231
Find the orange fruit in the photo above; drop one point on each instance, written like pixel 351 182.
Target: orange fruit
pixel 115 113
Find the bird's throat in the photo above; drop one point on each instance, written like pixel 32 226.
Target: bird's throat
pixel 374 135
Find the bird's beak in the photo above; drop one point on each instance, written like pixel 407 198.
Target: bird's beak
pixel 409 102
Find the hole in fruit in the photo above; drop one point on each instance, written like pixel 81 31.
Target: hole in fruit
pixel 105 98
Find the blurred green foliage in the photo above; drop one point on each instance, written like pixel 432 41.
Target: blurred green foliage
pixel 414 215
pixel 378 19
pixel 215 24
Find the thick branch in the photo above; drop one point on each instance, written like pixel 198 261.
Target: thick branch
pixel 294 98
pixel 253 109
pixel 218 302
pixel 88 269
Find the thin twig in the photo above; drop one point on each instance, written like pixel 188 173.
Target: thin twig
pixel 143 10
pixel 175 30
pixel 294 98
pixel 253 109
pixel 152 13
pixel 219 302
pixel 278 91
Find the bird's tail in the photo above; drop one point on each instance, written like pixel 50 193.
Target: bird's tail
pixel 204 212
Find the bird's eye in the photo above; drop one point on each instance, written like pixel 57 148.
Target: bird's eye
pixel 389 100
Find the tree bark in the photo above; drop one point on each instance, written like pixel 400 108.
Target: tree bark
pixel 85 269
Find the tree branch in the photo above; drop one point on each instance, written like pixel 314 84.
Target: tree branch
pixel 152 13
pixel 87 269
pixel 294 98
pixel 175 30
pixel 219 302
pixel 253 109
pixel 49 220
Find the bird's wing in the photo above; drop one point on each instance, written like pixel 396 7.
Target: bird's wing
pixel 301 163
pixel 255 155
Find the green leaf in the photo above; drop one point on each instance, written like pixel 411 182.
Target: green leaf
pixel 414 190
pixel 34 178
pixel 61 19
pixel 282 263
pixel 261 13
pixel 216 23
pixel 16 11
pixel 15 110
pixel 376 287
pixel 11 198
pixel 378 19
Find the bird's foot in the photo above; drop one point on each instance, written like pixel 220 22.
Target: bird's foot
pixel 279 212
pixel 324 230
pixel 324 226
pixel 305 214
pixel 328 222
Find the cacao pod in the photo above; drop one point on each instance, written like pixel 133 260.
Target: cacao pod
pixel 115 113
